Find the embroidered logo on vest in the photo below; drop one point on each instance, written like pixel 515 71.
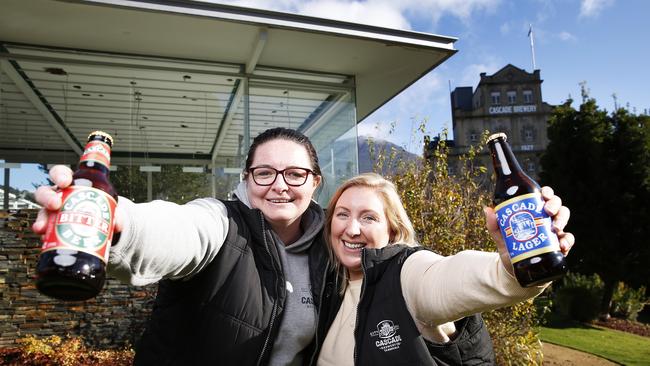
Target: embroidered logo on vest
pixel 388 340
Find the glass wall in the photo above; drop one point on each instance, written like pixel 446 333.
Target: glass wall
pixel 181 127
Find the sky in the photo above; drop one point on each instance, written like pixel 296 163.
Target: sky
pixel 597 42
pixel 600 42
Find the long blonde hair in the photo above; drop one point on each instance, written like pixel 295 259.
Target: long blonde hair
pixel 399 224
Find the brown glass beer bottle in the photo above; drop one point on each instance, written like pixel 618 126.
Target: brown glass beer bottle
pixel 526 228
pixel 72 264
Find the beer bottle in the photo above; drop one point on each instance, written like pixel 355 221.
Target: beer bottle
pixel 72 264
pixel 526 228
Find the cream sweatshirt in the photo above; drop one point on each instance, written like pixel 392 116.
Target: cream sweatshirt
pixel 438 290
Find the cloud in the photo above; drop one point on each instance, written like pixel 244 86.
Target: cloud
pixel 421 101
pixel 593 8
pixel 421 92
pixel 376 129
pixel 545 10
pixel 428 98
pixel 376 13
pixel 433 10
pixel 505 28
pixel 567 37
pixel 471 74
pixel 384 13
pixel 379 13
pixel 426 101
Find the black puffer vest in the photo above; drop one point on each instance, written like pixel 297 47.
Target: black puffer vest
pixel 385 332
pixel 229 313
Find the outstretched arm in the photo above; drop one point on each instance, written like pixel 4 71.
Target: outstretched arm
pixel 157 239
pixel 441 289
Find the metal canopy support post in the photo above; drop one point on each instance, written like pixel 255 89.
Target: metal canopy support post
pixel 332 109
pixel 262 36
pixel 149 186
pixel 241 89
pixel 232 110
pixel 213 180
pixel 247 120
pixel 6 190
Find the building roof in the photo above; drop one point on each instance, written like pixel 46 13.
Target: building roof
pixel 187 46
pixel 16 202
pixel 510 74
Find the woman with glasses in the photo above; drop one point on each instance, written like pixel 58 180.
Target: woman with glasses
pixel 238 279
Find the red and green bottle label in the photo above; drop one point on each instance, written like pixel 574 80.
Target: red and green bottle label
pixel 84 223
pixel 97 151
pixel 526 227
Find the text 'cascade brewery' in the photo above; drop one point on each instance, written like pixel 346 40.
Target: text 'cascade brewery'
pixel 533 246
pixel 72 265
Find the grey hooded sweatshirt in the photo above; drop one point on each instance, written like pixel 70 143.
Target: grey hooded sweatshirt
pixel 164 240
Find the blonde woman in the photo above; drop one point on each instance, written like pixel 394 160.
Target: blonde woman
pixel 397 303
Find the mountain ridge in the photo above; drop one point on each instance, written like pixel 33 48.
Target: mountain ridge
pixel 380 145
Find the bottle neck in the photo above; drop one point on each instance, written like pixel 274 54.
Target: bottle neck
pixel 96 166
pixel 505 162
pixel 97 155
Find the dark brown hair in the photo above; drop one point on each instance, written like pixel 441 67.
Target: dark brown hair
pixel 281 133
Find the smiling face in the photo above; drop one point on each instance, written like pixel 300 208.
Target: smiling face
pixel 281 204
pixel 358 221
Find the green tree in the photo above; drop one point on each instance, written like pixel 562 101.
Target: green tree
pixel 600 165
pixel 170 184
pixel 447 213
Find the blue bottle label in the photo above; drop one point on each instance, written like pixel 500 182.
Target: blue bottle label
pixel 526 227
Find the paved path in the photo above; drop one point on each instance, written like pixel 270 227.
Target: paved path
pixel 555 355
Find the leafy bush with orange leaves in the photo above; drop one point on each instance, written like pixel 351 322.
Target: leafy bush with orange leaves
pixel 55 351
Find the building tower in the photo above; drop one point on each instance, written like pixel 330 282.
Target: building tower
pixel 509 101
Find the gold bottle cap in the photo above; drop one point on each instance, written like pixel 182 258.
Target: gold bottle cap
pixel 101 133
pixel 496 136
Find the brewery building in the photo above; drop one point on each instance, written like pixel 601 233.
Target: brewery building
pixel 508 101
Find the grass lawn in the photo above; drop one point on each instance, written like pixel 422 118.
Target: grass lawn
pixel 624 348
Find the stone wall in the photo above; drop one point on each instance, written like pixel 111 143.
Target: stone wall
pixel 113 319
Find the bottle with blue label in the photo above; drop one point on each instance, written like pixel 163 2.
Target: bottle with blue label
pixel 526 228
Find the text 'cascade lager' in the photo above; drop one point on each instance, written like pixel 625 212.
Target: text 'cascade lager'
pixel 533 246
pixel 72 265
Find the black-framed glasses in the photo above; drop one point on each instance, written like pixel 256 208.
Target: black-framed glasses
pixel 266 176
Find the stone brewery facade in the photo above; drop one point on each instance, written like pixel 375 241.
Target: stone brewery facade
pixel 509 101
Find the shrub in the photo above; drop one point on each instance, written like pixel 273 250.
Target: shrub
pixel 515 334
pixel 644 314
pixel 55 351
pixel 447 213
pixel 579 297
pixel 544 304
pixel 628 302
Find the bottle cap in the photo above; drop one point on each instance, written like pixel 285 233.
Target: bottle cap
pixel 496 136
pixel 102 133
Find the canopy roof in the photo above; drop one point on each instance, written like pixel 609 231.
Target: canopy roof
pixel 169 77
